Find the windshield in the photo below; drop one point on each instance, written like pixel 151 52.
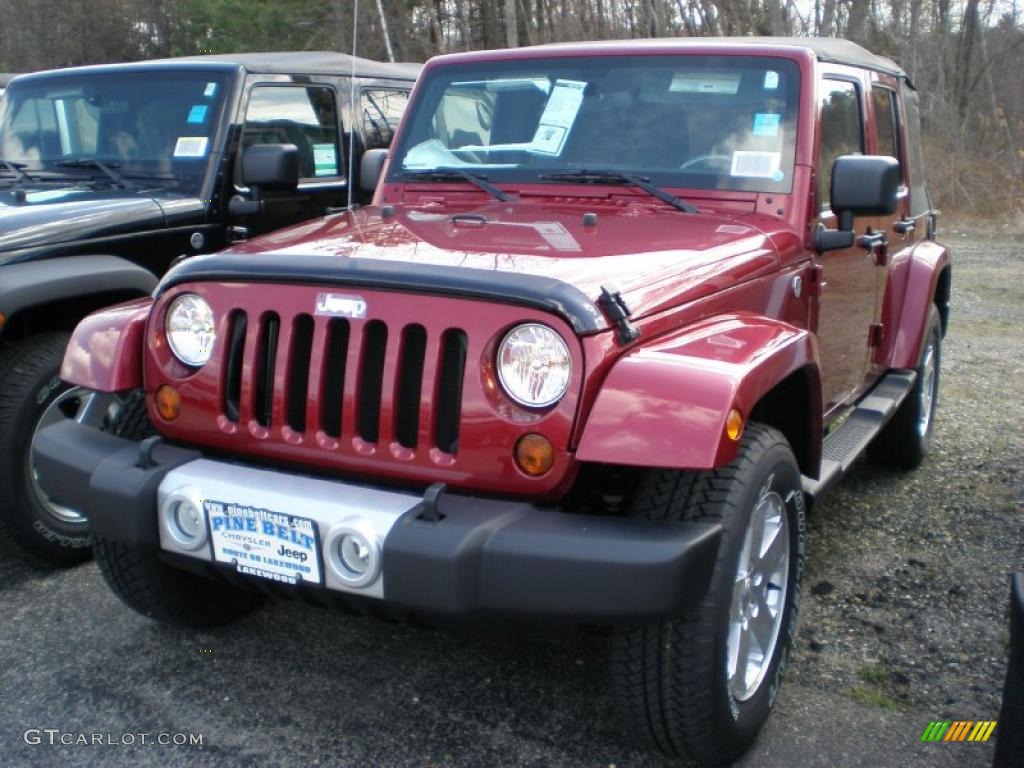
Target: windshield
pixel 152 125
pixel 704 122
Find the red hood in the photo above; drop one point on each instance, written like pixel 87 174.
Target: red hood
pixel 657 257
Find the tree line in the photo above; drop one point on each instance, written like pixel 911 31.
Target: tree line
pixel 966 57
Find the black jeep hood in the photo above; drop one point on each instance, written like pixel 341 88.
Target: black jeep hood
pixel 37 216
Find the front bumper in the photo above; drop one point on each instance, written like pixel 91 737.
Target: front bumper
pixel 459 557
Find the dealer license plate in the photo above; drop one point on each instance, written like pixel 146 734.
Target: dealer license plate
pixel 261 542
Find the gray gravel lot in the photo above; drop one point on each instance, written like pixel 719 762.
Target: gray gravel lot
pixel 904 621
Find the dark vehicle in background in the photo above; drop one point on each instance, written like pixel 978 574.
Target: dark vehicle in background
pixel 1010 731
pixel 109 173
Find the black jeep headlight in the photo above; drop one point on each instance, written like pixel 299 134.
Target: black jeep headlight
pixel 534 365
pixel 190 329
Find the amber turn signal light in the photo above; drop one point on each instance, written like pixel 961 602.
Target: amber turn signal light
pixel 168 402
pixel 734 425
pixel 534 454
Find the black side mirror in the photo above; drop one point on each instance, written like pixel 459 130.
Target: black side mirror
pixel 370 167
pixel 271 166
pixel 862 185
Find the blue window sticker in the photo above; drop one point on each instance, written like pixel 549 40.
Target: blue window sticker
pixel 771 80
pixel 778 176
pixel 766 124
pixel 211 88
pixel 197 114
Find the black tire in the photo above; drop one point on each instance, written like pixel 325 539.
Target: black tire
pixel 29 383
pixel 901 443
pixel 148 585
pixel 670 679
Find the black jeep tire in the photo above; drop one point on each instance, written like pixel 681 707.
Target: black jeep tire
pixel 906 439
pixel 29 383
pixel 148 585
pixel 671 679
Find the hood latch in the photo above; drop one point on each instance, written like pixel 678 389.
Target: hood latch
pixel 617 312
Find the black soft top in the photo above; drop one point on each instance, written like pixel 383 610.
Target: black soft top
pixel 278 63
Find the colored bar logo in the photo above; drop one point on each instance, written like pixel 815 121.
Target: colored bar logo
pixel 958 730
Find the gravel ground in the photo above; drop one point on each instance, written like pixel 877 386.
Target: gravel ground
pixel 904 621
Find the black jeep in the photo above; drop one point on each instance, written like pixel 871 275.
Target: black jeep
pixel 109 173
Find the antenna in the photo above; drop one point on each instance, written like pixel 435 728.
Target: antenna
pixel 352 104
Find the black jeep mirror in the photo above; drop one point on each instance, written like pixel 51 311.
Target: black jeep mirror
pixel 864 185
pixel 271 166
pixel 370 167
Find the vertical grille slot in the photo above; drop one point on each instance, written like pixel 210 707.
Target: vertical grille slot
pixel 266 358
pixel 297 388
pixel 371 379
pixel 409 383
pixel 237 323
pixel 449 394
pixel 334 376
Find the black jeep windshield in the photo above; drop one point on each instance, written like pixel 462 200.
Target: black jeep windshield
pixel 156 126
pixel 701 122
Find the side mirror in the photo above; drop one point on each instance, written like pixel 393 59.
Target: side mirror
pixel 862 185
pixel 370 168
pixel 271 166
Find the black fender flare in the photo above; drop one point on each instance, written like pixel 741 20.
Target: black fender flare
pixel 28 284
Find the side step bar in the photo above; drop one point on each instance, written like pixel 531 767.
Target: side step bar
pixel 866 420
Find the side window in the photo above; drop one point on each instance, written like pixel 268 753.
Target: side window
pixel 382 108
pixel 841 130
pixel 920 202
pixel 884 107
pixel 305 116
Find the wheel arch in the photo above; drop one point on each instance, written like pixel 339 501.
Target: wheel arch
pixel 665 404
pixel 55 294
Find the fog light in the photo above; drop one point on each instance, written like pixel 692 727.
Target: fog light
pixel 353 553
pixel 182 517
pixel 534 454
pixel 168 402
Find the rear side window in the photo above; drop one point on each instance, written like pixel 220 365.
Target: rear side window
pixel 382 109
pixel 920 201
pixel 884 108
pixel 841 130
pixel 304 116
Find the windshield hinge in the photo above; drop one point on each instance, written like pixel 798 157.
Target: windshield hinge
pixel 617 312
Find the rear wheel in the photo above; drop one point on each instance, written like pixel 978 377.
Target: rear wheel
pixel 701 686
pixel 906 439
pixel 148 585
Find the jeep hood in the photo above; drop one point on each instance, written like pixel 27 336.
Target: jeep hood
pixel 44 215
pixel 655 256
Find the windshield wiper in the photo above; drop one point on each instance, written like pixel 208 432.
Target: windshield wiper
pixel 89 162
pixel 455 174
pixel 18 169
pixel 621 177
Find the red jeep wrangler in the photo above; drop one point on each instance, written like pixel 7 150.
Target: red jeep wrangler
pixel 617 311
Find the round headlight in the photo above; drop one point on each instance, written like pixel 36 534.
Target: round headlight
pixel 534 365
pixel 190 330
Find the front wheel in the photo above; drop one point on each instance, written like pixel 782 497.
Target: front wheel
pixel 701 686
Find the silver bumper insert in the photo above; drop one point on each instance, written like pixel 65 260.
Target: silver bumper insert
pixel 351 521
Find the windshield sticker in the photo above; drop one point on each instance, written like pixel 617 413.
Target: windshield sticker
pixel 325 160
pixel 757 165
pixel 211 88
pixel 197 114
pixel 771 80
pixel 559 115
pixel 766 124
pixel 191 146
pixel 706 82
